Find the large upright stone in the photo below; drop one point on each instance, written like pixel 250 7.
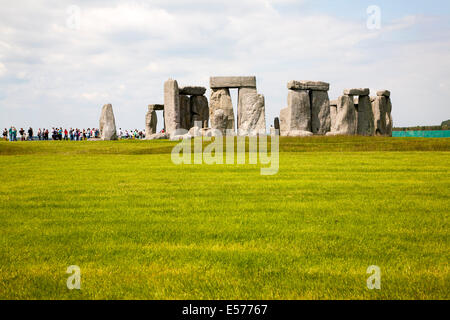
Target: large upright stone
pixel 379 106
pixel 346 116
pixel 308 85
pixel 185 112
pixel 253 119
pixel 384 93
pixel 199 110
pixel 242 92
pixel 151 121
pixel 320 112
pixel 297 115
pixel 172 117
pixel 107 124
pixel 220 120
pixel 365 117
pixel 232 82
pixel 333 112
pixel 221 100
pixel 389 122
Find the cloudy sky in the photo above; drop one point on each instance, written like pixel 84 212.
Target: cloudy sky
pixel 60 61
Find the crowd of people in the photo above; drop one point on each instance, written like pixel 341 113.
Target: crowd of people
pixel 55 133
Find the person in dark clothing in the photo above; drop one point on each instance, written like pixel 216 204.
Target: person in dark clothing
pixel 30 134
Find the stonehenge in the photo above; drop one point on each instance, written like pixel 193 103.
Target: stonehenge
pixel 382 108
pixel 308 110
pixel 107 124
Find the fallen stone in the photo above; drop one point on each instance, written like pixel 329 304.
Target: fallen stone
pixel 253 119
pixel 157 136
pixel 320 112
pixel 192 91
pixel 172 116
pixel 308 85
pixel 107 123
pixel 298 133
pixel 365 124
pixel 221 100
pixel 357 92
pixel 232 82
pixel 199 110
pixel 385 93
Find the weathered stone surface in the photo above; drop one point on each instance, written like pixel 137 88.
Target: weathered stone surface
pixel 320 112
pixel 253 119
pixel 220 120
pixel 379 106
pixel 365 126
pixel 357 92
pixel 185 112
pixel 155 107
pixel 232 82
pixel 276 123
pixel 298 133
pixel 107 123
pixel 172 116
pixel 151 122
pixel 192 90
pixel 297 115
pixel 385 93
pixel 346 118
pixel 389 122
pixel 221 100
pixel 308 85
pixel 199 110
pixel 333 103
pixel 157 136
pixel 333 112
pixel 242 92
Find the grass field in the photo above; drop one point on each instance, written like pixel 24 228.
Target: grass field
pixel 140 227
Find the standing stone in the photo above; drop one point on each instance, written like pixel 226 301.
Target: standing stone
pixel 107 123
pixel 199 110
pixel 333 112
pixel 276 124
pixel 242 92
pixel 221 100
pixel 297 115
pixel 346 117
pixel 253 119
pixel 365 117
pixel 389 123
pixel 220 120
pixel 172 118
pixel 185 112
pixel 379 106
pixel 151 121
pixel 320 112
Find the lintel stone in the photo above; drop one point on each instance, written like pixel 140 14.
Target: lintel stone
pixel 357 92
pixel 232 82
pixel 308 85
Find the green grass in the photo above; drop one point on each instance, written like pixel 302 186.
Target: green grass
pixel 141 227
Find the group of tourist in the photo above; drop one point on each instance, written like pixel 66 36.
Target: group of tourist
pixel 65 134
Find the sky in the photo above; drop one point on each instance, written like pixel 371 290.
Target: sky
pixel 61 61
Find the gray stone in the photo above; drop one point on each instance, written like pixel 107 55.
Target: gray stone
pixel 357 92
pixel 298 133
pixel 232 82
pixel 199 110
pixel 379 106
pixel 220 120
pixel 297 115
pixel 242 92
pixel 155 107
pixel 253 119
pixel 308 85
pixel 320 112
pixel 151 122
pixel 385 93
pixel 333 112
pixel 365 126
pixel 192 90
pixel 185 112
pixel 157 136
pixel 276 123
pixel 172 116
pixel 221 100
pixel 107 123
pixel 346 119
pixel 389 122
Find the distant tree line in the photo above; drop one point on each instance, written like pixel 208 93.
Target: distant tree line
pixel 445 125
